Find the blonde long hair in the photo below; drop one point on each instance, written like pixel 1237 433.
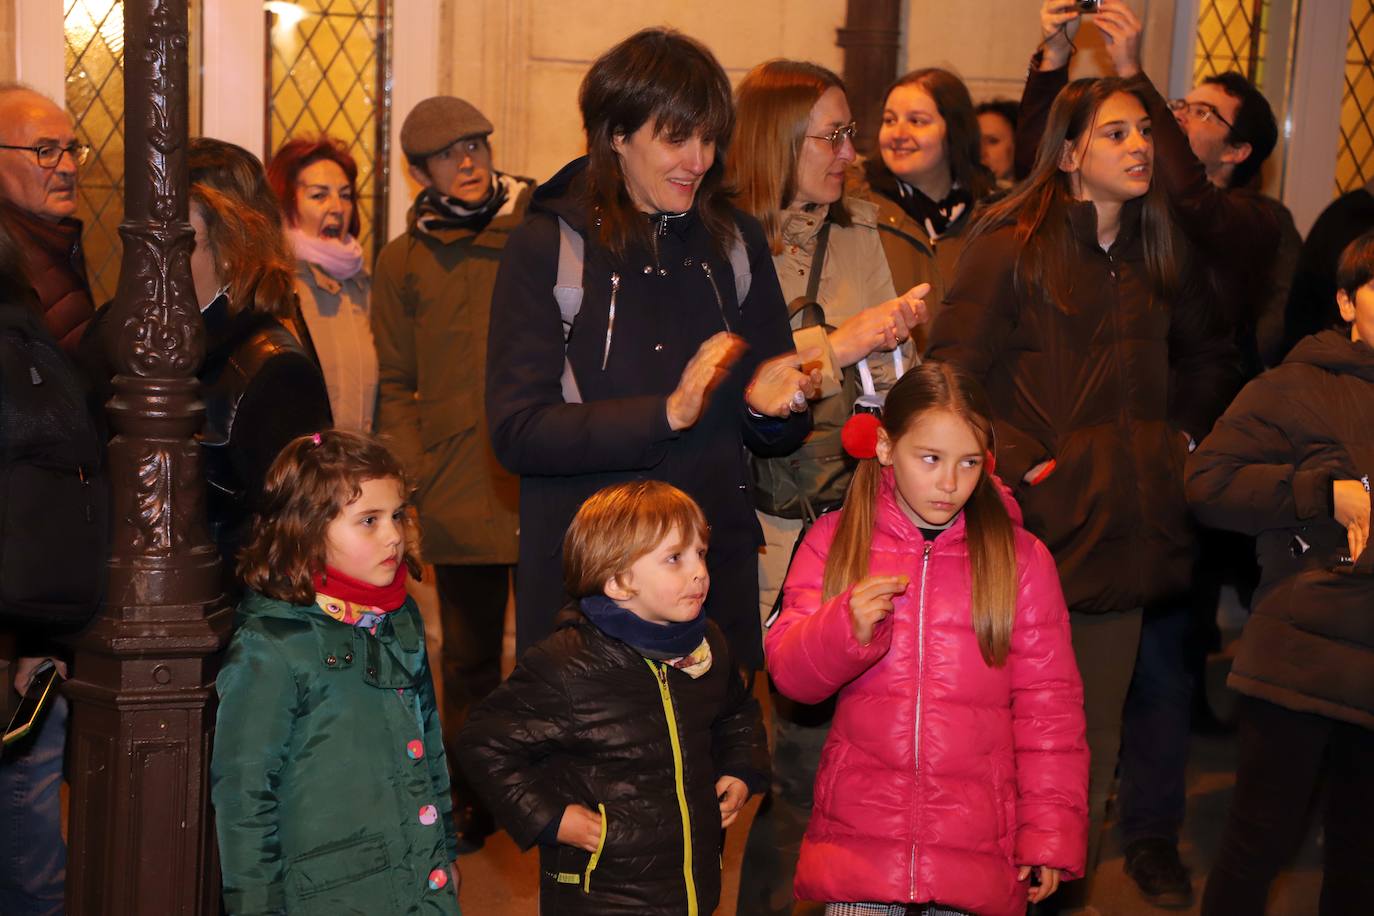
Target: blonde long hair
pixel 991 547
pixel 772 107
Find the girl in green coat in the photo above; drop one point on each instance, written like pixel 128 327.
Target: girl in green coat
pixel 328 777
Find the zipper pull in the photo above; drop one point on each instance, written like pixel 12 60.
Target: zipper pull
pixel 610 320
pixel 929 547
pixel 663 224
pixel 662 673
pixel 34 377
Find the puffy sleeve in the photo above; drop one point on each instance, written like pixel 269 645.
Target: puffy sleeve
pixel 1244 476
pixel 811 648
pixel 252 734
pixel 507 739
pixel 1048 729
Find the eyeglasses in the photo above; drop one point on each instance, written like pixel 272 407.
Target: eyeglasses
pixel 459 149
pixel 837 136
pixel 50 154
pixel 1203 111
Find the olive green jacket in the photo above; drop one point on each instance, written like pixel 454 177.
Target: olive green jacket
pixel 328 776
pixel 912 255
pixel 431 301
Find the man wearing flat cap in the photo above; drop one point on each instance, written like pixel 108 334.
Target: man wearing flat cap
pixel 431 295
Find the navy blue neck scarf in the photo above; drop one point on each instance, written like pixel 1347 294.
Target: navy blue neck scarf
pixel 658 641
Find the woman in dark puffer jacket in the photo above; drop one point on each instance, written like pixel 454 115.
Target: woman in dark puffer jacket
pixel 1289 462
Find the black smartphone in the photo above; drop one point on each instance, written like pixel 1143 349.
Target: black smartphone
pixel 42 689
pixel 1088 6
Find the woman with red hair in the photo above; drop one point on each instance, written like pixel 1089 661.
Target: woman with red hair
pixel 316 181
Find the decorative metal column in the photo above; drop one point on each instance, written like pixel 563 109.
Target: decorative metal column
pixel 141 832
pixel 871 38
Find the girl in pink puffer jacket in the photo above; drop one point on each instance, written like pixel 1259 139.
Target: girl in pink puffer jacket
pixel 956 769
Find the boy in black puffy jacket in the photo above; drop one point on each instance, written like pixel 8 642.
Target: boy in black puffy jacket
pixel 624 742
pixel 1290 462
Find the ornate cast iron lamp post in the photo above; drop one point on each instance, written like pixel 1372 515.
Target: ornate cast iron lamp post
pixel 141 838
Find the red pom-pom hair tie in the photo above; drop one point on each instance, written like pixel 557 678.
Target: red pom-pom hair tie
pixel 860 435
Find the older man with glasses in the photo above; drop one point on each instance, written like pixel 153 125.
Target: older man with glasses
pixel 39 160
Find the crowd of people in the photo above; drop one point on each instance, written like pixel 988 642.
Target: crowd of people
pixel 888 488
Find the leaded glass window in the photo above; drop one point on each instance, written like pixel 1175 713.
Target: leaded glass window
pixel 94 60
pixel 1355 152
pixel 1231 35
pixel 329 73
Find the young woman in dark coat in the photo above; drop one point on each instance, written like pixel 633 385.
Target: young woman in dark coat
pixel 1289 462
pixel 1068 304
pixel 675 351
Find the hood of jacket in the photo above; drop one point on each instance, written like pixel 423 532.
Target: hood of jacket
pixel 1334 351
pixel 562 195
pixel 391 654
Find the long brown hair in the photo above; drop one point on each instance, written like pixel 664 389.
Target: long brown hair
pixel 245 226
pixel 772 108
pixel 664 77
pixel 249 252
pixel 991 547
pixel 312 480
pixel 1039 206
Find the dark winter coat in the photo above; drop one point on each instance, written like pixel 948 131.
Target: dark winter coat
pixel 1266 470
pixel 1312 298
pixel 585 719
pixel 913 256
pixel 667 305
pixel 1090 386
pixel 56 266
pixel 330 786
pixel 431 300
pixel 251 361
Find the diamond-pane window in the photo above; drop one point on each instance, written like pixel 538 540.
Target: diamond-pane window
pixel 1231 35
pixel 94 58
pixel 329 72
pixel 1355 151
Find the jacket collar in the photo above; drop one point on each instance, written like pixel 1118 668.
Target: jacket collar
pixel 1083 224
pixel 801 223
pixel 391 658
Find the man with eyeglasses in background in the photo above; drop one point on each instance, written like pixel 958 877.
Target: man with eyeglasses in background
pixel 1209 149
pixel 39 159
pixel 431 298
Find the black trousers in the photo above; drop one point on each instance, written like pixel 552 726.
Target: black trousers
pixel 472 614
pixel 1282 756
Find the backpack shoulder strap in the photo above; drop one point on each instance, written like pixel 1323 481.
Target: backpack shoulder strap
pixel 568 291
pixel 739 264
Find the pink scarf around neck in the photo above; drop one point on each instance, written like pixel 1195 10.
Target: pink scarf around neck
pixel 340 258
